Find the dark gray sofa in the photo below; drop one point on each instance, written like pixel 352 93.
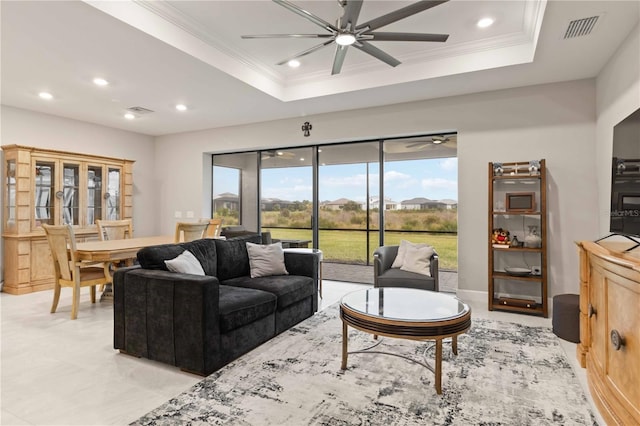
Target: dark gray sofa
pixel 201 323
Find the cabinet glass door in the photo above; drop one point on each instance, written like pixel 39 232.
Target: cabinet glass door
pixel 94 194
pixel 113 193
pixel 70 194
pixel 11 193
pixel 44 198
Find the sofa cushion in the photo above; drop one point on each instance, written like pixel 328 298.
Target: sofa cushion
pixel 288 288
pixel 416 259
pixel 399 278
pixel 185 263
pixel 233 260
pixel 266 260
pixel 242 306
pixel 204 250
pixel 402 250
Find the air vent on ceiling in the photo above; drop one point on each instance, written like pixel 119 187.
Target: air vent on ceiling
pixel 139 110
pixel 580 27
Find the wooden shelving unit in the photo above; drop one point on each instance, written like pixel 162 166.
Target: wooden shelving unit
pixel 518 204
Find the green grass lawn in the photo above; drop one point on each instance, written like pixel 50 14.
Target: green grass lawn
pixel 351 246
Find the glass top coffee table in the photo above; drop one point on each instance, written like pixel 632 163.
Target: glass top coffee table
pixel 405 313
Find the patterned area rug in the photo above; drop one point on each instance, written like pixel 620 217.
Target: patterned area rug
pixel 504 374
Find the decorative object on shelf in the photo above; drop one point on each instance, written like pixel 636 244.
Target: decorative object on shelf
pixel 497 169
pixel 306 128
pixel 620 166
pixel 500 237
pixel 515 242
pixel 533 239
pixel 534 167
pixel 521 202
pixel 518 272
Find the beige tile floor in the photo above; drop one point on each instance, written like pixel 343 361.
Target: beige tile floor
pixel 55 371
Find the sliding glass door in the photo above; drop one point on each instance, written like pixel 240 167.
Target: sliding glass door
pixel 348 185
pixel 286 195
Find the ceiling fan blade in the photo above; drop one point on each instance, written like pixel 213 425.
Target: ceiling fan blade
pixel 306 52
pixel 341 52
pixel 287 36
pixel 377 53
pixel 307 15
pixel 399 14
pixel 351 13
pixel 408 37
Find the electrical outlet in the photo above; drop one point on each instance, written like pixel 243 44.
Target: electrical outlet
pixel 190 214
pixel 178 214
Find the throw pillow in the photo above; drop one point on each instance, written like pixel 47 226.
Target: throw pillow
pixel 266 260
pixel 417 260
pixel 185 263
pixel 402 249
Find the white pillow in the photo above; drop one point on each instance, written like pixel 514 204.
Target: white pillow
pixel 266 259
pixel 399 260
pixel 185 263
pixel 417 259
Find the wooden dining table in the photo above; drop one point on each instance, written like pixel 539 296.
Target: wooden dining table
pixel 111 251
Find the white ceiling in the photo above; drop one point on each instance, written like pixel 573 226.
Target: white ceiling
pixel 156 54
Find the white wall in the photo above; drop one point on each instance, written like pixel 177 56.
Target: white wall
pixel 23 127
pixel 554 121
pixel 618 95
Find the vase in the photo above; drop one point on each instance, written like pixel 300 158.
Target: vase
pixel 533 239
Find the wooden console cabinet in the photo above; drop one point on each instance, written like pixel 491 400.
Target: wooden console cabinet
pixel 610 329
pixel 55 187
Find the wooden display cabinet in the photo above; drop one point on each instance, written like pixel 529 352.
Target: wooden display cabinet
pixel 518 205
pixel 55 187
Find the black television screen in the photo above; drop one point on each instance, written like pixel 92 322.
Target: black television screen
pixel 625 177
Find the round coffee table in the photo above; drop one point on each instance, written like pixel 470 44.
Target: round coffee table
pixel 405 313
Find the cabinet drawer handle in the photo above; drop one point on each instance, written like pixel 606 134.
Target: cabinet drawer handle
pixel 616 340
pixel 592 310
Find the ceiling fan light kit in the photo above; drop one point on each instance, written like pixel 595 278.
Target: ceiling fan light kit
pixel 347 32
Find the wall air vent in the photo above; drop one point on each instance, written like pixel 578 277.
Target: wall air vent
pixel 580 27
pixel 139 110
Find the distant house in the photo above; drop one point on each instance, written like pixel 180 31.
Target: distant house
pixel 336 204
pixel 450 204
pixel 421 203
pixel 374 203
pixel 226 200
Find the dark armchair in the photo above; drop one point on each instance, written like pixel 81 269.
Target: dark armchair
pixel 386 276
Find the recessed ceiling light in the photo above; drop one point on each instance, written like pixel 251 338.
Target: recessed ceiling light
pixel 345 39
pixel 45 95
pixel 181 107
pixel 294 63
pixel 301 159
pixel 100 81
pixel 485 22
pixel 129 116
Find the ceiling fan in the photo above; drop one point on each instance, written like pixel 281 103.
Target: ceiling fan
pixel 434 141
pixel 266 155
pixel 347 32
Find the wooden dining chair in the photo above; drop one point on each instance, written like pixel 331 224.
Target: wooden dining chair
pixel 115 229
pixel 189 231
pixel 70 272
pixel 214 228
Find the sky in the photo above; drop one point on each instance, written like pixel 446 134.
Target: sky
pixel 435 179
